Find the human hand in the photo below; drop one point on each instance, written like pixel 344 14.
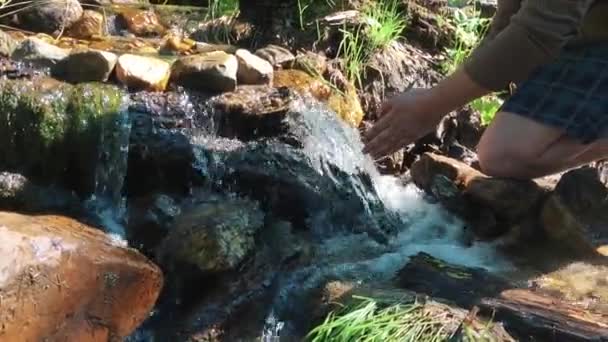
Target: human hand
pixel 403 120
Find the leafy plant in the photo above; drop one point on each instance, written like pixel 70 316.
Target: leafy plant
pixel 470 29
pixel 367 321
pixel 385 20
pixel 383 23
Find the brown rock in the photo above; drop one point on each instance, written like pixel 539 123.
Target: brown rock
pixel 63 281
pixel 141 22
pixel 345 103
pixel 253 111
pixel 214 71
pixel 140 72
pixel 253 69
pixel 85 66
pixel 577 211
pixel 276 55
pixel 90 24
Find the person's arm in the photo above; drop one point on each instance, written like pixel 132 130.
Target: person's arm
pixel 533 36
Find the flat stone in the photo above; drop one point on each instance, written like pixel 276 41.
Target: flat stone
pixel 64 281
pixel 253 69
pixel 213 71
pixel 39 52
pixel 276 55
pixel 86 66
pixel 140 72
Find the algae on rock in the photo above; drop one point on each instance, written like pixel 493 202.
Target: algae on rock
pixel 57 133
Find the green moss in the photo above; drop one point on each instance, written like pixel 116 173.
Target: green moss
pixel 53 133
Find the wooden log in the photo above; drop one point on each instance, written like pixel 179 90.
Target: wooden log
pixel 528 314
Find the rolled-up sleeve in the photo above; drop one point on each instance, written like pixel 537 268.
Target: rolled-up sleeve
pixel 534 36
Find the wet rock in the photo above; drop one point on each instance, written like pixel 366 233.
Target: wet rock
pixel 53 132
pixel 39 52
pixel 89 25
pixel 85 66
pixel 576 212
pixel 57 274
pixel 509 200
pixel 145 73
pixel 214 71
pixel 161 151
pixel 277 56
pixel 173 43
pixel 215 235
pixel 311 63
pixel 50 16
pixel 253 69
pixel 345 102
pixel 392 70
pixel 463 127
pixel 7 44
pixel 252 112
pixel 141 22
pixel 150 219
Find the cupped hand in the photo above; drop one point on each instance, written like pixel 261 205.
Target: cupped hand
pixel 403 120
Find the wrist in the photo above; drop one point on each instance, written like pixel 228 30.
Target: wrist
pixel 455 91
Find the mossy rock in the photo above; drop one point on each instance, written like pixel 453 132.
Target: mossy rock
pixel 56 133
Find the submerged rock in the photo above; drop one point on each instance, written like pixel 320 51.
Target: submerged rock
pixel 7 44
pixel 57 274
pixel 215 235
pixel 17 193
pixel 39 52
pixel 277 56
pixel 85 66
pixel 50 16
pixel 89 25
pixel 214 71
pixel 143 73
pixel 253 69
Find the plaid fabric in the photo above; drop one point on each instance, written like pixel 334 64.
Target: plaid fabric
pixel 570 93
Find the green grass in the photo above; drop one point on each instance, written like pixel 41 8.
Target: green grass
pixel 384 23
pixel 470 29
pixel 219 8
pixel 367 321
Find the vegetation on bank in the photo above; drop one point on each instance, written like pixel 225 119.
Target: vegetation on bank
pixel 369 320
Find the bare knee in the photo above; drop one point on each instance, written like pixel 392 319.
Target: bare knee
pixel 503 163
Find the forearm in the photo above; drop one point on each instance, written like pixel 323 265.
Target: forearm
pixel 455 91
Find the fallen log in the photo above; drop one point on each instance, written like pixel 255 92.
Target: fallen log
pixel 527 314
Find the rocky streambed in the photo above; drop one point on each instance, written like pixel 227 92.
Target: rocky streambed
pixel 158 186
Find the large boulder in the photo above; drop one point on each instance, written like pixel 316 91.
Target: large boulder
pixel 65 281
pixel 213 71
pixel 50 16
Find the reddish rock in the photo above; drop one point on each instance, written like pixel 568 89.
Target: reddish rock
pixel 63 281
